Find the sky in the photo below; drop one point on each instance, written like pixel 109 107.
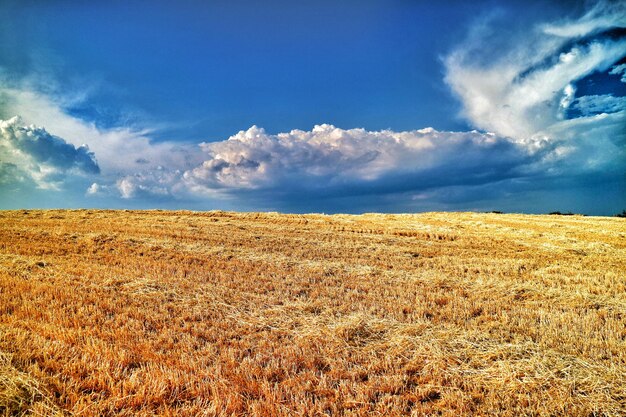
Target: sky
pixel 314 106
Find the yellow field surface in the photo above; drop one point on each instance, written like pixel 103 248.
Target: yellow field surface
pixel 141 313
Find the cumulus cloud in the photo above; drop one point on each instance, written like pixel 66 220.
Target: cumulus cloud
pixel 94 189
pixel 130 164
pixel 120 150
pixel 157 183
pixel 29 154
pixel 331 160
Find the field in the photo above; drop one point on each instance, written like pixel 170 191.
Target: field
pixel 138 313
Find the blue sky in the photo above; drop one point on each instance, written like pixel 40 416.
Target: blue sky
pixel 314 106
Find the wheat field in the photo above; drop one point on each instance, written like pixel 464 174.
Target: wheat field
pixel 140 313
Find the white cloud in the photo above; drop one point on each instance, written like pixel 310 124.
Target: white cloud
pixel 602 16
pixel 328 159
pixel 518 98
pixel 595 143
pixel 97 189
pixel 94 189
pixel 595 104
pixel 157 183
pixel 619 69
pixel 30 154
pixel 120 150
pixel 131 165
pixel 527 92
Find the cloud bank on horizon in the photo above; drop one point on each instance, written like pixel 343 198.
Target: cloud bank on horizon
pixel 537 135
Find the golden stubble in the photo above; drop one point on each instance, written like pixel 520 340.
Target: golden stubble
pixel 265 314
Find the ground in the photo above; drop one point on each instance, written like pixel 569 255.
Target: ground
pixel 220 313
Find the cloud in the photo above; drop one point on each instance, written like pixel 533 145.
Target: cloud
pixel 603 16
pixel 513 98
pixel 31 155
pixel 158 183
pixel 528 81
pixel 120 150
pixel 619 69
pixel 331 161
pixel 94 189
pixel 597 104
pixel 130 163
pixel 526 90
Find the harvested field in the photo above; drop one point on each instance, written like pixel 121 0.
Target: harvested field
pixel 218 313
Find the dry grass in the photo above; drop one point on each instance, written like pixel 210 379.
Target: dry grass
pixel 178 313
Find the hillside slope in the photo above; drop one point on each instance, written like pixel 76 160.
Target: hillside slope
pixel 219 313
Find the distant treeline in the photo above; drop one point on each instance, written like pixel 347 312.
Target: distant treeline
pixel 558 213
